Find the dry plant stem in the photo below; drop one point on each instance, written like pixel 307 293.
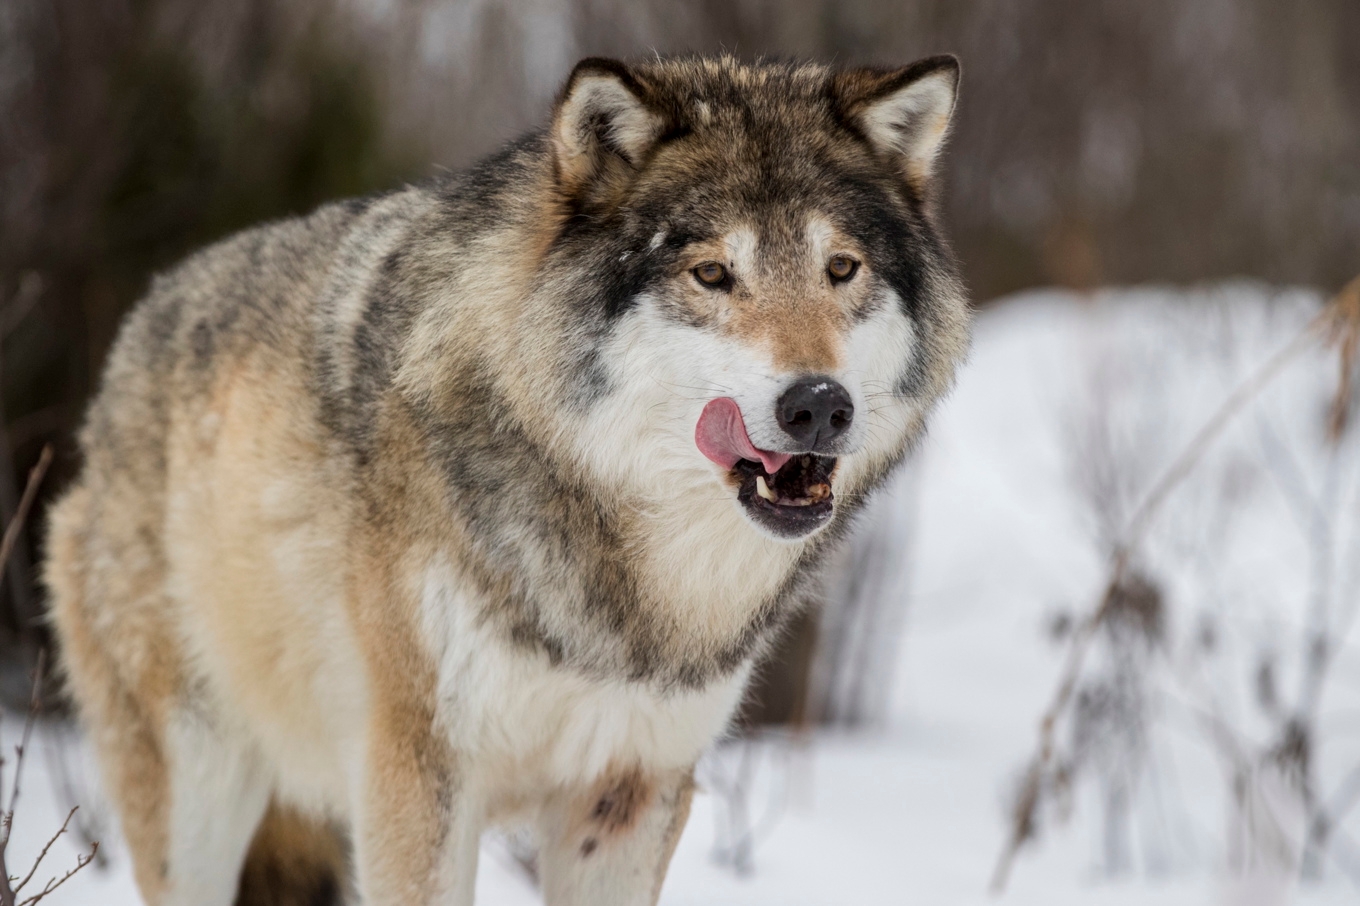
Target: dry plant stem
pixel 43 855
pixel 1139 523
pixel 1347 311
pixel 16 524
pixel 1325 821
pixel 81 862
pixel 1200 444
pixel 1235 753
pixel 7 893
pixel 34 706
pixel 35 477
pixel 65 788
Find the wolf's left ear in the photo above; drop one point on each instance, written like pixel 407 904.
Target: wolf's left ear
pixel 904 113
pixel 603 126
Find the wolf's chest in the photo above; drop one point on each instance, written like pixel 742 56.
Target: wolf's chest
pixel 535 724
pixel 559 728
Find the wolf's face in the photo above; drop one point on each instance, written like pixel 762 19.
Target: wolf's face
pixel 776 311
pixel 779 340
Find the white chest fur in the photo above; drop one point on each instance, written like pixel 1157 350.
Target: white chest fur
pixel 526 724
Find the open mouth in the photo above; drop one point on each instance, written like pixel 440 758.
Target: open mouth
pixel 795 500
pixel 788 494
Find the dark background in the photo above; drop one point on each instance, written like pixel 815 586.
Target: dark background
pixel 1097 142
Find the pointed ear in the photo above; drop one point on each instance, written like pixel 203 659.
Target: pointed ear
pixel 602 126
pixel 903 113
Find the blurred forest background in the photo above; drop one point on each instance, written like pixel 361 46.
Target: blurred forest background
pixel 1097 142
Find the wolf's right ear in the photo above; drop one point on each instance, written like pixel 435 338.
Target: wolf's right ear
pixel 903 113
pixel 603 125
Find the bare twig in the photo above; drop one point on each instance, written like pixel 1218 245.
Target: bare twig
pixel 88 824
pixel 43 855
pixel 81 862
pixel 1023 815
pixel 1331 321
pixel 16 524
pixel 1324 820
pixel 34 706
pixel 8 893
pixel 1346 312
pixel 1194 451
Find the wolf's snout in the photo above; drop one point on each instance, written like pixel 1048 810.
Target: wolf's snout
pixel 815 411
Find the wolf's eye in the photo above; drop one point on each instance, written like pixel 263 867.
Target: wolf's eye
pixel 711 273
pixel 841 268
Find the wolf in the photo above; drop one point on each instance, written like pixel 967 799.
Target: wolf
pixel 474 503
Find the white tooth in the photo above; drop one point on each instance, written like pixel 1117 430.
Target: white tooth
pixel 764 490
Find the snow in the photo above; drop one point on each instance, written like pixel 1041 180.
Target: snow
pixel 1002 540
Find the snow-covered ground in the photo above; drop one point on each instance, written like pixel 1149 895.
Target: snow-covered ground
pixel 1062 393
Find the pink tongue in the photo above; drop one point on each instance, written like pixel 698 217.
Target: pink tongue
pixel 721 436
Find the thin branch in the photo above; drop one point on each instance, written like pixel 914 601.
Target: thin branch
pixel 1028 802
pixel 43 855
pixel 34 706
pixel 16 523
pixel 81 862
pixel 1194 451
pixel 64 788
pixel 1346 310
pixel 8 893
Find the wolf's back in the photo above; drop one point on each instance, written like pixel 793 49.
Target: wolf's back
pixel 253 293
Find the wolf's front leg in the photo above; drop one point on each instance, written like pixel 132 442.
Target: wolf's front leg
pixel 610 845
pixel 416 826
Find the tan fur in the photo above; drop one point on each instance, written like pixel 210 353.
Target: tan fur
pixel 619 802
pixel 783 301
pixel 123 701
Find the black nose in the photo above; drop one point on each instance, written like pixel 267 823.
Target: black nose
pixel 814 411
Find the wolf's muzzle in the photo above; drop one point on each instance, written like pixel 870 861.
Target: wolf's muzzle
pixel 814 411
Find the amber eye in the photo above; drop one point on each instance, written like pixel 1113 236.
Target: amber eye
pixel 842 267
pixel 711 273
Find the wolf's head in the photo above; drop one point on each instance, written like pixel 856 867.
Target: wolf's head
pixel 768 307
